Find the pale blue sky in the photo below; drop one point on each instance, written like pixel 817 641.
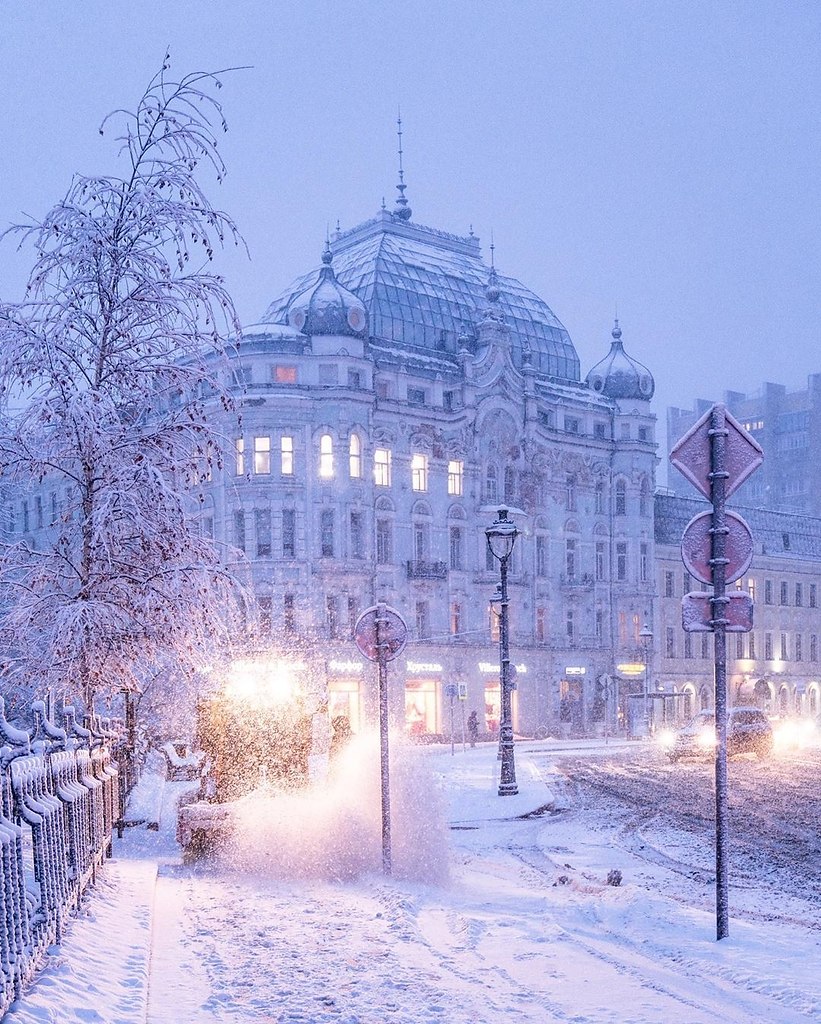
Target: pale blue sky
pixel 662 157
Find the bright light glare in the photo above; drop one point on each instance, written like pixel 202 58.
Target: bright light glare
pixel 794 733
pixel 707 737
pixel 666 738
pixel 263 682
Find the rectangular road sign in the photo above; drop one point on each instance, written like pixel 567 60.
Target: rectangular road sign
pixel 697 613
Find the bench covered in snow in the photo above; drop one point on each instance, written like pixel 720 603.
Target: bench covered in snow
pixel 181 767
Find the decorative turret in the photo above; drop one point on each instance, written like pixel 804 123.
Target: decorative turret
pixel 326 308
pixel 620 376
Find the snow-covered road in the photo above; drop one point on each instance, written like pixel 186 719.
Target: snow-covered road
pixel 518 925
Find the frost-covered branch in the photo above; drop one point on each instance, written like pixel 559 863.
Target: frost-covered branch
pixel 106 371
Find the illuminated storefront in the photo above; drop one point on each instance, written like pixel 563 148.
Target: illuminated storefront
pixel 422 683
pixel 492 693
pixel 345 691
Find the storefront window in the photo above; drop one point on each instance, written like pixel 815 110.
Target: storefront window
pixel 420 706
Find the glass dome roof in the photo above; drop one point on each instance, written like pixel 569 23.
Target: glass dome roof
pixel 424 288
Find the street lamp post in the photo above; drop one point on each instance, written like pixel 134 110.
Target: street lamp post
pixel 646 637
pixel 501 536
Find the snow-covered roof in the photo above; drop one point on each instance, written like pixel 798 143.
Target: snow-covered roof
pixel 784 534
pixel 424 288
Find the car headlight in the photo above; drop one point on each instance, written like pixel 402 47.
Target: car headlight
pixel 666 738
pixel 707 738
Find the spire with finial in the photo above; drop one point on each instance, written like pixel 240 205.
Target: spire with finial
pixel 493 291
pixel 616 332
pixel 401 210
pixel 327 255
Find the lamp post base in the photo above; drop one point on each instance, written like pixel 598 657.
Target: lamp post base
pixel 508 789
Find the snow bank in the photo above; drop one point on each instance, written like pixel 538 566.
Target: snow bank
pixel 333 830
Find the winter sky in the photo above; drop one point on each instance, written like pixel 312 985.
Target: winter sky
pixel 656 158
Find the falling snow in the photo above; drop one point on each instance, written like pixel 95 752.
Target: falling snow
pixel 506 911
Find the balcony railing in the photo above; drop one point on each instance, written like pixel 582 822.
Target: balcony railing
pixel 418 570
pixel 583 580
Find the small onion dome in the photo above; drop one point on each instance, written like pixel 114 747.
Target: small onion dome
pixel 328 308
pixel 620 376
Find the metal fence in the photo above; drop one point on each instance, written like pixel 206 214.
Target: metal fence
pixel 60 800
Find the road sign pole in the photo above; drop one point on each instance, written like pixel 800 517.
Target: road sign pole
pixel 718 481
pixel 382 662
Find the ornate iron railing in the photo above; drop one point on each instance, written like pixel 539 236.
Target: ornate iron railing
pixel 59 801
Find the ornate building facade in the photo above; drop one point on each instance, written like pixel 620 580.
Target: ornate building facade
pixel 392 400
pixel 775 666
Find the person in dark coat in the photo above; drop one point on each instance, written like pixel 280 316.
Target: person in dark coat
pixel 473 728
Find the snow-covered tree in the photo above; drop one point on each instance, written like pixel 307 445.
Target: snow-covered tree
pixel 107 370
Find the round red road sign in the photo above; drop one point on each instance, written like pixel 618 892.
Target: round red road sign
pixel 380 623
pixel 696 547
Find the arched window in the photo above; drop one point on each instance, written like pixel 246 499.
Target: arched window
pixel 644 497
pixel 326 456
pixel 355 457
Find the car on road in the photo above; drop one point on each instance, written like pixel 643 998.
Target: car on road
pixel 748 732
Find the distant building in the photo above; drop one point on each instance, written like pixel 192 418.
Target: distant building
pixel 787 425
pixel 776 665
pixel 392 400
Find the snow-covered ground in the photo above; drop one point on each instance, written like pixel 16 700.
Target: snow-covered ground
pixel 498 910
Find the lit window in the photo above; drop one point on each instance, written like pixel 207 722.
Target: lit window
pixel 286 455
pixel 419 472
pixel 326 456
pixel 285 374
pixel 262 454
pixel 355 457
pixel 382 467
pixel 240 454
pixel 456 477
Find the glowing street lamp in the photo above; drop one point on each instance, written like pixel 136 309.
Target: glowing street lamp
pixel 501 536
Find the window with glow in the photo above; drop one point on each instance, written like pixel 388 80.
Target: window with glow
pixel 355 457
pixel 239 448
pixel 419 472
pixel 326 456
pixel 285 374
pixel 286 455
pixel 262 454
pixel 456 477
pixel 382 467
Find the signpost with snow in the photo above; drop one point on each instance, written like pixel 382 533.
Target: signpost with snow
pixel 380 634
pixel 717 455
